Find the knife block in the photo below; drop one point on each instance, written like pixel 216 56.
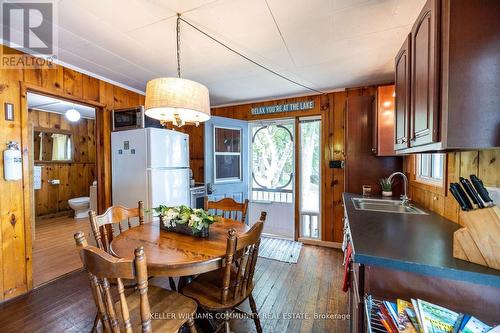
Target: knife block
pixel 479 240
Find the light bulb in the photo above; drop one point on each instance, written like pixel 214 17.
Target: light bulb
pixel 72 115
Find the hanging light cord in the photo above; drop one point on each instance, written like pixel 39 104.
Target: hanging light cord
pixel 178 32
pixel 179 18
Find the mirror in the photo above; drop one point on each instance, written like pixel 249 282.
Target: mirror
pixel 52 146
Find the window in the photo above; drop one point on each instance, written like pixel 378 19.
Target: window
pixel 430 168
pixel 227 154
pixel 272 162
pixel 310 176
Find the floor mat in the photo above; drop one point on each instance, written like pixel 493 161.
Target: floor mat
pixel 280 249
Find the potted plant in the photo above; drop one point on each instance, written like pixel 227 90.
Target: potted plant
pixel 386 185
pixel 185 220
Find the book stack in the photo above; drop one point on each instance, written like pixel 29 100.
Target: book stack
pixel 419 316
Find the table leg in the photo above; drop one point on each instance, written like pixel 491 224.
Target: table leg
pixel 183 281
pixel 202 321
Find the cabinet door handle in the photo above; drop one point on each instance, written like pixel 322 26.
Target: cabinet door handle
pixel 403 140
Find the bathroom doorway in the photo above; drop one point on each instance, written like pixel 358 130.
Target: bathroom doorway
pixel 64 169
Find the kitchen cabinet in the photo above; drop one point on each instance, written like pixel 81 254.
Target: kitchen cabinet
pixel 424 76
pixel 448 72
pixel 383 130
pixel 411 256
pixel 362 167
pixel 402 96
pixel 356 305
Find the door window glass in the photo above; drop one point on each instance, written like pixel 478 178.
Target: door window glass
pixel 310 177
pixel 227 154
pixel 272 163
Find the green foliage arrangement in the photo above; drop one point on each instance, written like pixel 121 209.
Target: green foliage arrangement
pixel 386 184
pixel 196 219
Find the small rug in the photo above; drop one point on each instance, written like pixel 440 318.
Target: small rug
pixel 280 249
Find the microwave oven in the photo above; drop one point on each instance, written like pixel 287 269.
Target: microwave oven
pixel 131 118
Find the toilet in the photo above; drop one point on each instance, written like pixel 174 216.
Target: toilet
pixel 81 206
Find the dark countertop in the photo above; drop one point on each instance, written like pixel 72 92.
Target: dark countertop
pixel 416 243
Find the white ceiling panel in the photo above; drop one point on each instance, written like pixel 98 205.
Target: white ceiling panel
pixel 49 104
pixel 253 30
pixel 138 14
pixel 325 44
pixel 181 6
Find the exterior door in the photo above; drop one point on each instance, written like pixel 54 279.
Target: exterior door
pixel 272 176
pixel 226 158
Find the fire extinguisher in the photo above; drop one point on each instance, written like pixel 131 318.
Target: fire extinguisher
pixel 12 162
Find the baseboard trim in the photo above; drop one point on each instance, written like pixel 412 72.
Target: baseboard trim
pixel 333 245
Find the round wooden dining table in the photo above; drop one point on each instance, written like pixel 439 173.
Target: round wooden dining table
pixel 176 255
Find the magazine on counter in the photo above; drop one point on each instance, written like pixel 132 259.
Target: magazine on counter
pixel 435 318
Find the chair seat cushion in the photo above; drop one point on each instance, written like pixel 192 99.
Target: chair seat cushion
pixel 206 289
pixel 169 310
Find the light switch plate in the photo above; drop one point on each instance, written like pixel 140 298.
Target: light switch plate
pixel 9 111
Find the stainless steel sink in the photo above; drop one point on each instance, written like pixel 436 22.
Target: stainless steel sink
pixel 386 205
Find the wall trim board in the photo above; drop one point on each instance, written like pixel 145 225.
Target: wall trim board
pixel 278 98
pixel 333 245
pixel 29 87
pixel 100 77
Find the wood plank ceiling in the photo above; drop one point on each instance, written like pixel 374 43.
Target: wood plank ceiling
pixel 326 44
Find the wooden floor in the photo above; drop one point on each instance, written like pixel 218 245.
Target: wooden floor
pixel 312 286
pixel 54 251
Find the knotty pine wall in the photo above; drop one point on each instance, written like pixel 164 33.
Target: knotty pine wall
pixel 483 163
pixel 332 108
pixel 15 197
pixel 75 176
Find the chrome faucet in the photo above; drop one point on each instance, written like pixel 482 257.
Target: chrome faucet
pixel 404 197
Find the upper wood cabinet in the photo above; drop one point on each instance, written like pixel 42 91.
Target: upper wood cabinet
pixel 383 121
pixel 447 79
pixel 424 76
pixel 402 96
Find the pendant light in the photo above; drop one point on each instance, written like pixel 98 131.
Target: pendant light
pixel 177 100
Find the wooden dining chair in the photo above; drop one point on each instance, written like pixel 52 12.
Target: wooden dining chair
pixel 227 287
pixel 228 208
pixel 115 220
pixel 135 312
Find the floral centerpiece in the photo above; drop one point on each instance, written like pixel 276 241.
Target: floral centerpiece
pixel 185 220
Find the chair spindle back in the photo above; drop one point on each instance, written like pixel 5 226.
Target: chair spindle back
pixel 241 251
pixel 102 267
pixel 228 208
pixel 104 226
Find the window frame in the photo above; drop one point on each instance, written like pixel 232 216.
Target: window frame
pixel 440 183
pixel 214 150
pixel 302 213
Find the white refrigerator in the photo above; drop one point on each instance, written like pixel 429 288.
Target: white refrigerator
pixel 152 165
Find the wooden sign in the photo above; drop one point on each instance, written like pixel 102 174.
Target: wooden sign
pixel 299 106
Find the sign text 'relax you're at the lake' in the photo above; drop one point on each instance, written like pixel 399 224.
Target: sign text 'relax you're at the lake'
pixel 283 108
